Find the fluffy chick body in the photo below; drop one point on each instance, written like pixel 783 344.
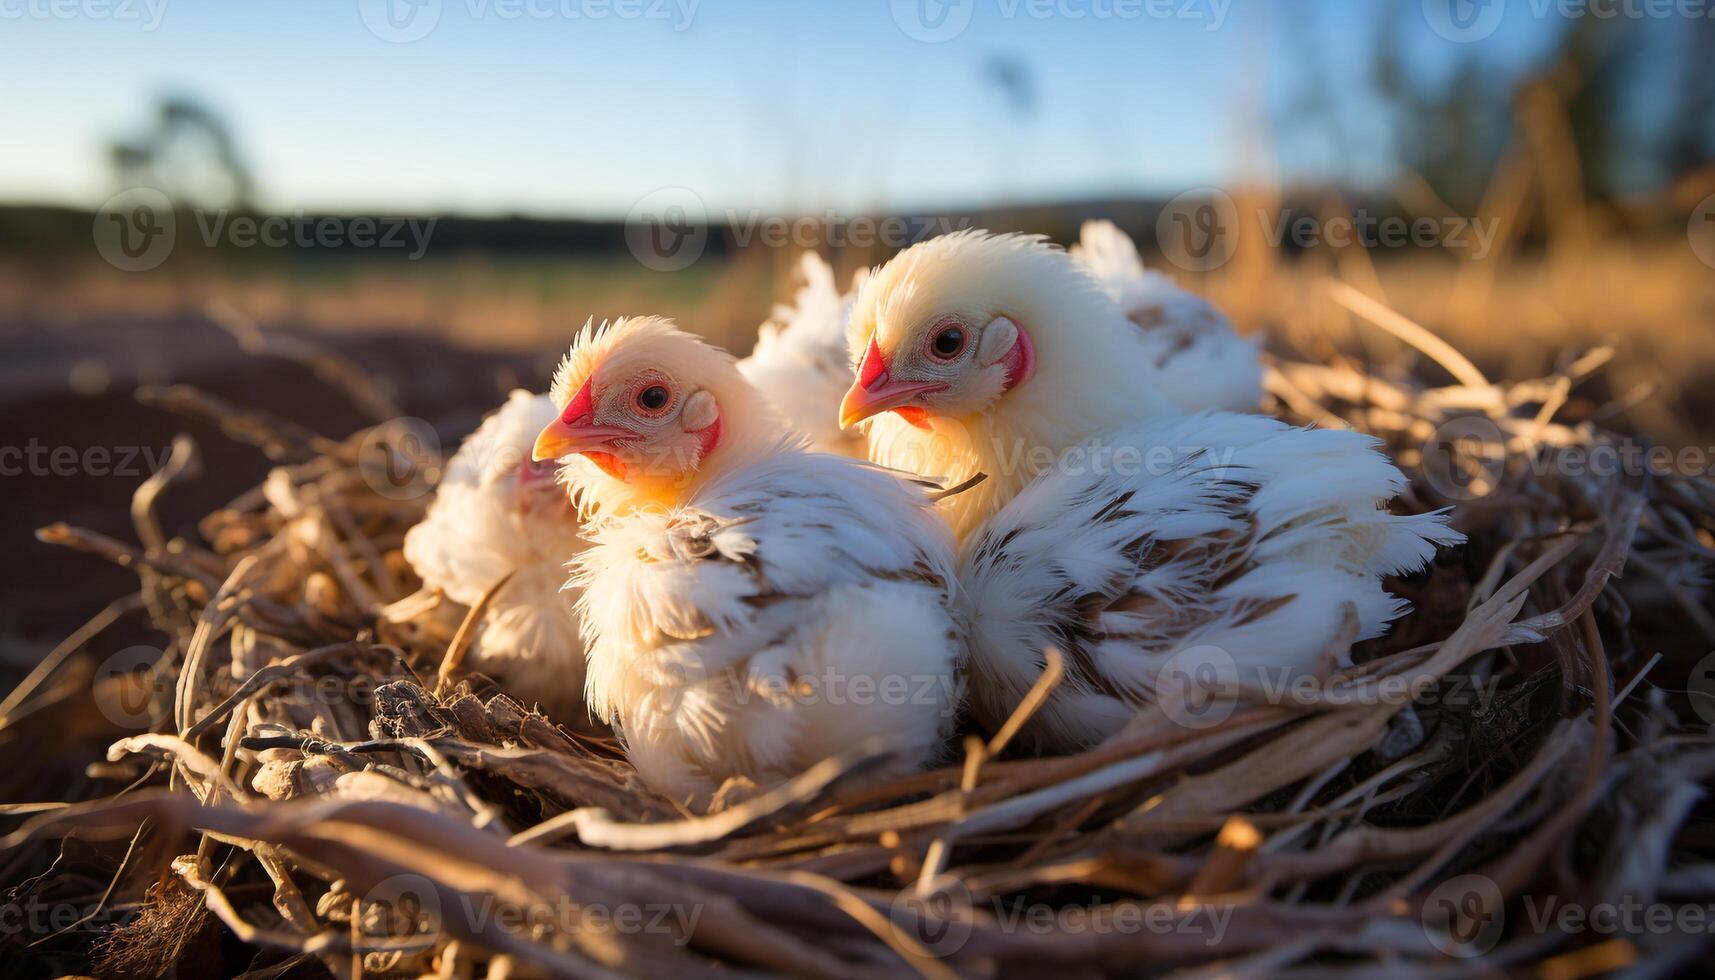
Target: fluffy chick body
pixel 1236 539
pixel 1113 526
pixel 764 609
pixel 495 514
pixel 800 359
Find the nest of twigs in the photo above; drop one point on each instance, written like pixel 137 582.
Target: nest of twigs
pixel 329 788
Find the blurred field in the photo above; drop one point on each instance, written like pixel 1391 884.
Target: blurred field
pixel 1513 312
pixel 1654 303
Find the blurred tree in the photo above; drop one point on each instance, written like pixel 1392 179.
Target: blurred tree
pixel 1689 143
pixel 1012 76
pixel 1593 74
pixel 1013 80
pixel 187 152
pixel 1452 133
pixel 1618 105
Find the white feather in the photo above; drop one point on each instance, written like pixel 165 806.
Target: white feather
pixel 1236 532
pixel 1192 352
pixel 485 523
pixel 787 609
pixel 800 361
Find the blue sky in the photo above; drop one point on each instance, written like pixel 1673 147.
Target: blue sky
pixel 580 107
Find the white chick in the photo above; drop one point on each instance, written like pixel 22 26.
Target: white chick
pixel 750 607
pixel 497 512
pixel 1112 526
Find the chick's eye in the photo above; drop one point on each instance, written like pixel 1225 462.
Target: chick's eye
pixel 947 344
pixel 653 398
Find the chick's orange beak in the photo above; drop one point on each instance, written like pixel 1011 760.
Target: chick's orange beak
pixel 576 431
pixel 875 392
